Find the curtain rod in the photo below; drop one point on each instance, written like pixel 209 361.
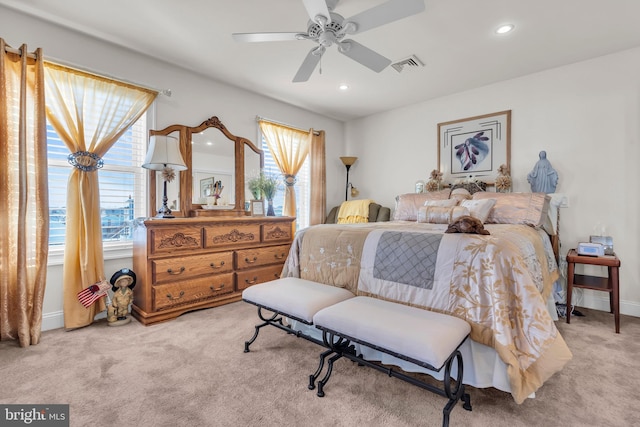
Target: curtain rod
pixel 19 52
pixel 258 118
pixel 166 92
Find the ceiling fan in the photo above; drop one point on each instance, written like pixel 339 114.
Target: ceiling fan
pixel 327 28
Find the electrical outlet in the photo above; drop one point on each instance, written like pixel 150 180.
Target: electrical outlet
pixel 565 202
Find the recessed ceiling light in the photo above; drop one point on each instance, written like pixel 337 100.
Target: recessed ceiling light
pixel 503 29
pixel 343 86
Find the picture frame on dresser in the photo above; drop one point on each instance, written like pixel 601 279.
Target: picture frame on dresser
pixel 256 207
pixel 474 146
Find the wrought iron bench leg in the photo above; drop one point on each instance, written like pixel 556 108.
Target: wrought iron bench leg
pixel 316 374
pixel 267 321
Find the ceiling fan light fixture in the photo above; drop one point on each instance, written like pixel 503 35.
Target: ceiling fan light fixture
pixel 343 87
pixel 506 28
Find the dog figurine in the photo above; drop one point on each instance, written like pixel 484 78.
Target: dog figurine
pixel 467 224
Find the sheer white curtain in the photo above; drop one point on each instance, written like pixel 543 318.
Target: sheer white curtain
pixel 89 113
pixel 289 147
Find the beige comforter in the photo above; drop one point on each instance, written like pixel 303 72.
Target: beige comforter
pixel 498 283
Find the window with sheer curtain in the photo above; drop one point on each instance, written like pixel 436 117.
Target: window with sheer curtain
pixel 122 188
pixel 302 187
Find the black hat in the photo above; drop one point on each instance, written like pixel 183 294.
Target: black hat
pixel 120 273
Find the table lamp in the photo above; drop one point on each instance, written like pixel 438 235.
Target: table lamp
pixel 164 155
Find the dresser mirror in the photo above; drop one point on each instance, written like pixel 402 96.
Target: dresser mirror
pixel 218 166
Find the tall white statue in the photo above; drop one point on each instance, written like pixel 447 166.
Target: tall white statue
pixel 543 178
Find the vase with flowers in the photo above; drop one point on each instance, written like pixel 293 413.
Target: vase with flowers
pixel 266 185
pixel 435 181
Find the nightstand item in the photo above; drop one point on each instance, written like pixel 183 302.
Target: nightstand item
pixel 608 284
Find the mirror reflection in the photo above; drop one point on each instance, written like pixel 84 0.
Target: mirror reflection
pixel 213 163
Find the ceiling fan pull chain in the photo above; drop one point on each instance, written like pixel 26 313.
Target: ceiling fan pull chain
pixel 320 67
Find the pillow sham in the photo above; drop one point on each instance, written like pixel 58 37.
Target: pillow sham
pixel 441 214
pixel 447 203
pixel 479 209
pixel 460 194
pixel 407 204
pixel 517 208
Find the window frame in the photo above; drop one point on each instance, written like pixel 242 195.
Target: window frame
pixel 115 249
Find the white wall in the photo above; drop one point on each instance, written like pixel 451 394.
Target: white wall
pixel 586 116
pixel 194 99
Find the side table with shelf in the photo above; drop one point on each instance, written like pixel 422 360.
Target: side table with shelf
pixel 608 284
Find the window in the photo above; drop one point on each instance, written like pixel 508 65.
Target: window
pixel 122 186
pixel 303 187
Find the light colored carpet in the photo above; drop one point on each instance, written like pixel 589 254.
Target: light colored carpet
pixel 192 372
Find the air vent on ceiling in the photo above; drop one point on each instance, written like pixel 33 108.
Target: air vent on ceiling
pixel 412 62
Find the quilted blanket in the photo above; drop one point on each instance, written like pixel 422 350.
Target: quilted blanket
pixel 498 283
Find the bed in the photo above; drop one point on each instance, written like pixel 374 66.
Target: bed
pixel 500 283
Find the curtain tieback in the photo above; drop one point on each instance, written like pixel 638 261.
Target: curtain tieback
pixel 290 180
pixel 85 161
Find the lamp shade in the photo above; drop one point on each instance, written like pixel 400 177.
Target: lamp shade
pixel 348 161
pixel 164 151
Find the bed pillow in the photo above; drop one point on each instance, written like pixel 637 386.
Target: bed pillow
pixel 446 203
pixel 479 209
pixel 460 194
pixel 517 208
pixel 407 205
pixel 441 214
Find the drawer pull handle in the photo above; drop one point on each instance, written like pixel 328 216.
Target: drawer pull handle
pixel 175 273
pixel 216 289
pixel 277 275
pixel 249 261
pixel 175 298
pixel 213 264
pixel 252 282
pixel 281 256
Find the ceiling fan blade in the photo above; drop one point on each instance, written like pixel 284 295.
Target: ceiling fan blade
pixel 317 7
pixel 385 13
pixel 363 55
pixel 265 37
pixel 308 65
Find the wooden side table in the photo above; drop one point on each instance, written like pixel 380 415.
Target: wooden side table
pixel 607 284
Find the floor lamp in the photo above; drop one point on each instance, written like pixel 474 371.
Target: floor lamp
pixel 348 161
pixel 164 155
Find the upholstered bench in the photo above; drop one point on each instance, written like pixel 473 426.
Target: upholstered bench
pixel 425 338
pixel 292 298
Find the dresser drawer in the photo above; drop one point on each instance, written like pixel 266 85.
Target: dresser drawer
pixel 274 233
pixel 175 294
pixel 188 267
pixel 171 240
pixel 221 236
pixel 247 278
pixel 249 258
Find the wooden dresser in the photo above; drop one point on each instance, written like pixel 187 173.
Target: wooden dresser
pixel 184 264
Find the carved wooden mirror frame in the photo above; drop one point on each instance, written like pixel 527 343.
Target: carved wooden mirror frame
pixel 187 207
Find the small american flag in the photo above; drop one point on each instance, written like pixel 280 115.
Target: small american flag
pixel 93 293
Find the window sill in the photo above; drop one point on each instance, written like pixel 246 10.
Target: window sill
pixel 110 251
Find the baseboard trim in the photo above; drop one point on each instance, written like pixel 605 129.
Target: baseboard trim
pixel 55 319
pixel 596 301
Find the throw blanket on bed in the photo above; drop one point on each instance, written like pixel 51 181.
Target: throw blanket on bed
pixel 498 283
pixel 354 211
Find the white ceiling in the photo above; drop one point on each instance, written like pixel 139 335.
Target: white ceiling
pixel 454 38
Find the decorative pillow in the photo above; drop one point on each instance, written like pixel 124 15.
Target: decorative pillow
pixel 479 208
pixel 407 204
pixel 447 203
pixel 441 214
pixel 517 208
pixel 467 224
pixel 460 194
pixel 472 187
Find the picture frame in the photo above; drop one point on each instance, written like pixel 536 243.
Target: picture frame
pixel 206 187
pixel 474 147
pixel 257 207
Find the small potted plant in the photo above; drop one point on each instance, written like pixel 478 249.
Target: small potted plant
pixel 270 185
